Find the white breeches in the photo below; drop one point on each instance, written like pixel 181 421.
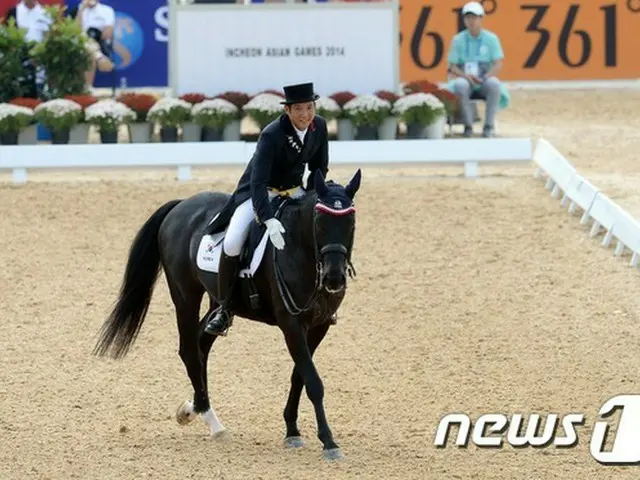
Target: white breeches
pixel 238 228
pixel 240 222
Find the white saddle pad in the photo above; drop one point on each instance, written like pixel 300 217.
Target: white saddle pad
pixel 208 257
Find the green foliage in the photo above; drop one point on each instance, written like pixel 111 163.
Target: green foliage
pixel 63 54
pixel 368 117
pixel 262 117
pixel 14 49
pixel 14 123
pixel 422 115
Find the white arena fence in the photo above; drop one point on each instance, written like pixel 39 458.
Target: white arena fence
pixel 598 210
pixel 469 153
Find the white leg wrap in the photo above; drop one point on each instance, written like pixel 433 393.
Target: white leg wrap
pixel 213 422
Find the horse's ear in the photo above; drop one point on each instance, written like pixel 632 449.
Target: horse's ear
pixel 319 185
pixel 354 184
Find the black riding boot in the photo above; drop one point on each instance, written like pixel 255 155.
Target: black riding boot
pixel 227 275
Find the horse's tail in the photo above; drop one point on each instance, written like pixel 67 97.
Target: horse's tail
pixel 122 326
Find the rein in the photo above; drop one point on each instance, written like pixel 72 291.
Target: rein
pixel 285 294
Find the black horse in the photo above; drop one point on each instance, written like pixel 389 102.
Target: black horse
pixel 312 270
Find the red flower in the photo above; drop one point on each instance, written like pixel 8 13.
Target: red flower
pixel 239 99
pixel 193 98
pixel 387 95
pixel 31 103
pixel 424 86
pixel 273 92
pixel 83 100
pixel 342 97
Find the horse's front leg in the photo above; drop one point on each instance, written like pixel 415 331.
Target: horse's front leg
pixel 300 353
pixel 293 438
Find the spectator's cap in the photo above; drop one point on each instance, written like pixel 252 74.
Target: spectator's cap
pixel 299 93
pixel 473 8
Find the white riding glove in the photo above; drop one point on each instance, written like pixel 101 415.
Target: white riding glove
pixel 275 231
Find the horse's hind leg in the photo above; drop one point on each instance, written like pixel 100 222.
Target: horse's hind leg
pixel 293 438
pixel 195 362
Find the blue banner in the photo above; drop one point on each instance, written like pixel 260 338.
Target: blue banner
pixel 141 39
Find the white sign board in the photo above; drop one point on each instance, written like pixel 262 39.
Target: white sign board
pixel 250 48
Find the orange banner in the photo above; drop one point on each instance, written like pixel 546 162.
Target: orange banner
pixel 541 39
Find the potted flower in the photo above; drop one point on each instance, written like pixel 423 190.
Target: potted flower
pixel 213 116
pixel 59 116
pixel 80 132
pixel 108 115
pixel 14 48
pixel 13 119
pixel 239 99
pixel 170 113
pixel 367 112
pixel 191 131
pixel 264 108
pixel 140 129
pixel 328 108
pixel 29 134
pixel 63 54
pixel 346 129
pixel 388 129
pixel 423 114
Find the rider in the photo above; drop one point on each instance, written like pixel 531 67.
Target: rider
pixel 296 138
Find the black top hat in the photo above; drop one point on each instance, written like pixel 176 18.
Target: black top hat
pixel 300 93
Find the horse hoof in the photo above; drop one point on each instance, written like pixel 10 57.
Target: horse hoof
pixel 185 414
pixel 293 442
pixel 333 454
pixel 220 436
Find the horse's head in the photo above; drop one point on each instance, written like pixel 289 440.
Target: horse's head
pixel 334 226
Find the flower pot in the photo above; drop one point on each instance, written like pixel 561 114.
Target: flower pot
pixel 140 132
pixel 9 138
pixel 109 136
pixel 232 132
pixel 346 129
pixel 212 134
pixel 169 134
pixel 436 129
pixel 388 129
pixel 367 132
pixel 28 135
pixel 79 133
pixel 415 130
pixel 42 132
pixel 191 132
pixel 60 137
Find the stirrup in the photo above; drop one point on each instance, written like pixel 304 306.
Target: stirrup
pixel 214 330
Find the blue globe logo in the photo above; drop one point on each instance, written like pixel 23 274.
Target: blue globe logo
pixel 129 41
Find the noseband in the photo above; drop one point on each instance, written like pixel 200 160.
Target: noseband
pixel 318 254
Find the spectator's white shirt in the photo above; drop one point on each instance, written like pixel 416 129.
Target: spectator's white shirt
pixel 34 20
pixel 99 16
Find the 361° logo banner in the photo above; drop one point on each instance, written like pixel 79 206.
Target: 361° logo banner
pixel 541 39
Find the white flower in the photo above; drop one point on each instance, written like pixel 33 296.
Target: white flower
pixel 217 105
pixel 265 102
pixel 366 103
pixel 328 104
pixel 59 107
pixel 166 104
pixel 109 109
pixel 417 100
pixel 9 110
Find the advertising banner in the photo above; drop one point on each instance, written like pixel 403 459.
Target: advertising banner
pixel 541 39
pixel 214 48
pixel 141 36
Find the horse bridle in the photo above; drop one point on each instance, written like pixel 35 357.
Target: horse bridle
pixel 285 294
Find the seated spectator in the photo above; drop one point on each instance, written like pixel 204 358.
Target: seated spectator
pixel 98 22
pixel 475 59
